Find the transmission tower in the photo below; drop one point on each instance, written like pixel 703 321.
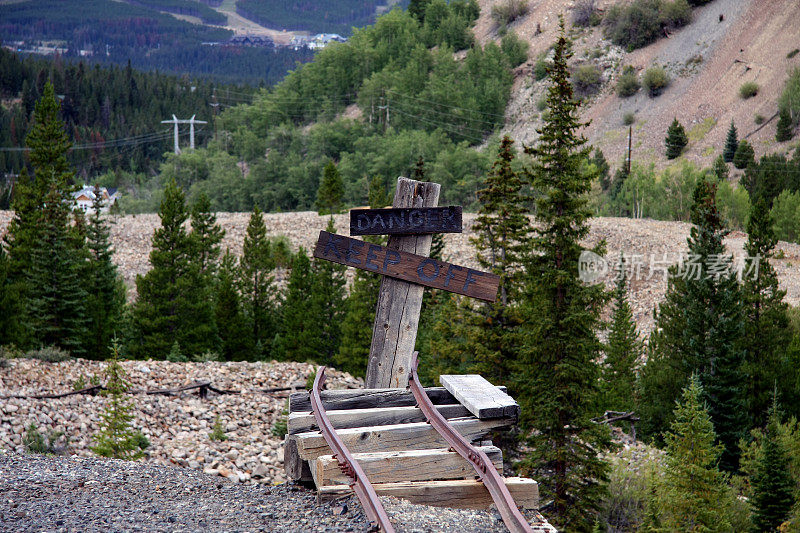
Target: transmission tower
pixel 192 121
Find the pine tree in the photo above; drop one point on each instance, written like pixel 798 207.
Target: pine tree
pixel 257 282
pixel 698 327
pixel 117 438
pixel 417 8
pixel 8 321
pixel 172 304
pixel 206 237
pixel 419 170
pixel 745 155
pixel 721 169
pixel 603 169
pixel 105 289
pixel 784 129
pixel 731 144
pixel 773 486
pixel 676 139
pixel 766 333
pixel 503 233
pixel 235 337
pixel 331 190
pixel 693 495
pixel 327 303
pixel 357 322
pixel 300 327
pixel 623 350
pixel 48 144
pixel 557 376
pixel 377 193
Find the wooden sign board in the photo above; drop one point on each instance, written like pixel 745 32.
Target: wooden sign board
pixel 407 266
pixel 405 221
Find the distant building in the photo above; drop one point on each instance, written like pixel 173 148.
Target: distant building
pixel 315 42
pixel 84 199
pixel 263 41
pixel 321 40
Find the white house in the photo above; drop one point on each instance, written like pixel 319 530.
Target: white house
pixel 84 199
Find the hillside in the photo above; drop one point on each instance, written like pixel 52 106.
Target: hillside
pixel 646 238
pixel 707 60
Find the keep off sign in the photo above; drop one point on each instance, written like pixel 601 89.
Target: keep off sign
pixel 407 266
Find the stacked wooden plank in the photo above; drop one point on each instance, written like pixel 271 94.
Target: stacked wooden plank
pixel 401 454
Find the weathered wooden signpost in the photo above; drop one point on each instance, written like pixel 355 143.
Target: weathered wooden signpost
pixel 427 445
pixel 406 269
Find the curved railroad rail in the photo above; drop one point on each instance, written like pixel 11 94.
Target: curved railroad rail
pixel 349 466
pixel 512 517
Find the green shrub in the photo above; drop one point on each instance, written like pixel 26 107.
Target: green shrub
pixel 786 216
pixel 81 382
pixel 586 79
pixel 507 11
pixel 629 118
pixel 628 83
pixel 540 68
pixel 514 48
pixel 279 428
pixel 36 442
pixel 792 53
pixel 175 355
pixel 207 357
pixel 748 90
pixel 541 103
pixel 641 22
pixel 629 487
pixel 49 354
pixel 744 155
pixel 789 101
pixel 733 204
pixel 655 80
pixel 217 432
pixel 584 13
pixel 758 119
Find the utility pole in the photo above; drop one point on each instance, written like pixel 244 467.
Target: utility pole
pixel 628 161
pixel 192 121
pixel 176 122
pixel 215 105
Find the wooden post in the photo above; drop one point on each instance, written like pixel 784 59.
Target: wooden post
pixel 399 302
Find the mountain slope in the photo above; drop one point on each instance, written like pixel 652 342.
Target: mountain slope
pixel 708 60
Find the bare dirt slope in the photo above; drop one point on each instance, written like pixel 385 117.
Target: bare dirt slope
pixel 650 242
pixel 708 61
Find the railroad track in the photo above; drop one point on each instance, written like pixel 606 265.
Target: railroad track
pixel 484 466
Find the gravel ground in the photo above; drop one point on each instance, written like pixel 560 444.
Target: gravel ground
pixel 39 493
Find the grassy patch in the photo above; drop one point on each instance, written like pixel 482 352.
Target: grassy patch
pixel 699 131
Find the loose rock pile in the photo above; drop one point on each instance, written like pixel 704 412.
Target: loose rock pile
pixel 178 426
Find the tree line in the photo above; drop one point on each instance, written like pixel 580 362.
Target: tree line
pixel 115 33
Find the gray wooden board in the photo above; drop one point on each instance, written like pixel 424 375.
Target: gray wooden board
pixel 405 221
pixel 483 399
pixel 302 421
pixel 296 468
pixel 397 437
pixel 456 493
pixel 339 399
pixel 407 465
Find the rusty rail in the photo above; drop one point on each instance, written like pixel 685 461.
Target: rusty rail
pixel 483 466
pixel 349 466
